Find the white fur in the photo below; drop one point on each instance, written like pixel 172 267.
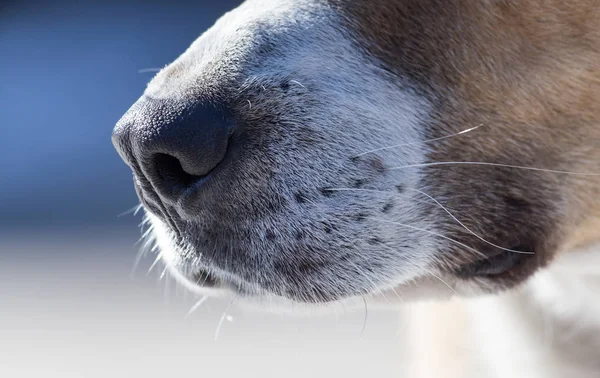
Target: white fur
pixel 351 88
pixel 508 335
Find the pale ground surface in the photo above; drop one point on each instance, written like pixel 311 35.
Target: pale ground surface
pixel 71 308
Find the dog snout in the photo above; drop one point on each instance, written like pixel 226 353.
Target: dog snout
pixel 174 148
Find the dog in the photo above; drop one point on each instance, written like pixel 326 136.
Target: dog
pixel 315 151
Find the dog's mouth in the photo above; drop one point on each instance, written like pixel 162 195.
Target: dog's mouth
pixel 499 265
pixel 502 266
pixel 205 279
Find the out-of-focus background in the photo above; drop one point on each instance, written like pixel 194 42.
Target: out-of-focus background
pixel 71 302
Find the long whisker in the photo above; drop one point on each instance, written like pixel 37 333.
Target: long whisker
pixel 442 281
pixel 163 273
pixel 145 70
pixel 143 250
pixel 467 228
pixel 220 325
pixel 196 306
pixel 417 228
pixel 440 163
pixel 144 238
pixel 158 258
pixel 432 233
pixel 443 208
pixel 397 295
pixel 420 142
pixel 364 326
pixel 134 210
pixel 204 280
pixel 136 263
pixel 137 210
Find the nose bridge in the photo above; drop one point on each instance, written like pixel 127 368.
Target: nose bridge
pixel 207 71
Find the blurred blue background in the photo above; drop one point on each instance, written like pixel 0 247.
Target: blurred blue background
pixel 70 305
pixel 68 71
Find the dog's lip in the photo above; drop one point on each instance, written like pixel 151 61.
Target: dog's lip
pixel 203 278
pixel 493 266
pixel 201 283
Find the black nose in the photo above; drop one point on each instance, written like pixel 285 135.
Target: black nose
pixel 173 147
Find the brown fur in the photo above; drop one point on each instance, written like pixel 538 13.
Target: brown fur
pixel 529 73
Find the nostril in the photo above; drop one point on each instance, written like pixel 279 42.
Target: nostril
pixel 171 174
pixel 174 146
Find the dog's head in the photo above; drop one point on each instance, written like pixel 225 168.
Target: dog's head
pixel 322 149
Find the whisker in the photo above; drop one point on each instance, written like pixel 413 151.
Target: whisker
pixel 467 228
pixel 397 295
pixel 162 275
pixel 146 219
pixel 432 233
pixel 196 306
pixel 440 163
pixel 146 70
pixel 142 251
pixel 136 263
pixel 364 326
pixel 167 289
pixel 223 317
pixel 413 227
pixel 419 142
pixel 443 208
pixel 154 264
pixel 442 281
pixel 298 83
pixel 134 210
pixel 144 238
pixel 137 210
pixel 204 280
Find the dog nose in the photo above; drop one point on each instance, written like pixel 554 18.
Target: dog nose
pixel 173 147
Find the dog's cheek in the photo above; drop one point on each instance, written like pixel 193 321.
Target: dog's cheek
pixel 501 225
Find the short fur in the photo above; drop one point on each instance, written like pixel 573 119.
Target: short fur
pixel 339 190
